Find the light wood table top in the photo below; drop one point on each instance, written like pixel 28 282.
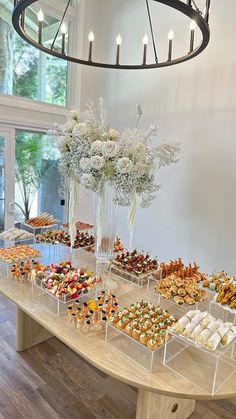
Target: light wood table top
pixel 102 355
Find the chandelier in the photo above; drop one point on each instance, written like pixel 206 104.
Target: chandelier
pixel 188 8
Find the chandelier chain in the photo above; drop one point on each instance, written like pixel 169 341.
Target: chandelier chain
pixel 152 33
pixel 59 27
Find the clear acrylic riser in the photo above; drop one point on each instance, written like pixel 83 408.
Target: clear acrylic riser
pixel 38 230
pixel 140 280
pixel 170 304
pixel 205 368
pixel 30 241
pixel 83 230
pixel 127 292
pixel 222 312
pixel 5 268
pixel 54 253
pixel 57 306
pixel 133 349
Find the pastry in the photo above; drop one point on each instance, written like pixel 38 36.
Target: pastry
pixel 190 326
pixel 227 294
pixel 229 336
pixel 16 234
pixel 42 220
pixel 205 330
pixel 12 255
pixel 183 321
pixel 179 300
pixel 182 290
pixel 215 339
pixel 150 323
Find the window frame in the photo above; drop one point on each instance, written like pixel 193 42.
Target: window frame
pixel 56 8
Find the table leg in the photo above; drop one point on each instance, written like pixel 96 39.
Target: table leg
pixel 28 331
pixel 155 406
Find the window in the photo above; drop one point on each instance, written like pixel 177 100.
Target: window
pixel 37 179
pixel 26 71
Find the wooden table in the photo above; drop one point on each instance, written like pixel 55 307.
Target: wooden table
pixel 161 395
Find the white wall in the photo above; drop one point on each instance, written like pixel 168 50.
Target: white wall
pixel 193 103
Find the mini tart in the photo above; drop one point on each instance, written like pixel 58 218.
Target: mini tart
pixel 136 334
pixel 160 339
pixel 144 327
pixel 132 315
pixel 164 334
pixel 155 320
pixel 152 343
pixel 144 338
pixel 125 311
pixel 120 324
pixel 156 328
pixel 150 333
pixel 128 329
pixel 126 319
pixel 134 323
pixel 113 319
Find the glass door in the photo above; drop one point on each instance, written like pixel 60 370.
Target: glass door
pixel 7 163
pixel 37 180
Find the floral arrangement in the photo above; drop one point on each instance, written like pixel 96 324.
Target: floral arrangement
pixel 92 154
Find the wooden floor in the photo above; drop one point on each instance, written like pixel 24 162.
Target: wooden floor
pixel 50 381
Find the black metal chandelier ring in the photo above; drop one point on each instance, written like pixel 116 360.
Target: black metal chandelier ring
pixel 188 8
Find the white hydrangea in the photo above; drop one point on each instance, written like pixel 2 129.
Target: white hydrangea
pixel 139 150
pixel 96 147
pixel 97 162
pixel 85 163
pixel 124 165
pixel 113 134
pixel 87 181
pixel 110 149
pixel 80 129
pixel 74 114
pixel 69 125
pixel 64 144
pixel 104 136
pixel 140 168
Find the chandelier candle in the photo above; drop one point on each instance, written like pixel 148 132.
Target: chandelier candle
pixel 192 28
pixel 91 39
pixel 118 43
pixel 145 43
pixel 170 37
pixel 40 28
pixel 63 38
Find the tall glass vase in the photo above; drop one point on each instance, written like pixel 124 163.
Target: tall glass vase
pixel 105 213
